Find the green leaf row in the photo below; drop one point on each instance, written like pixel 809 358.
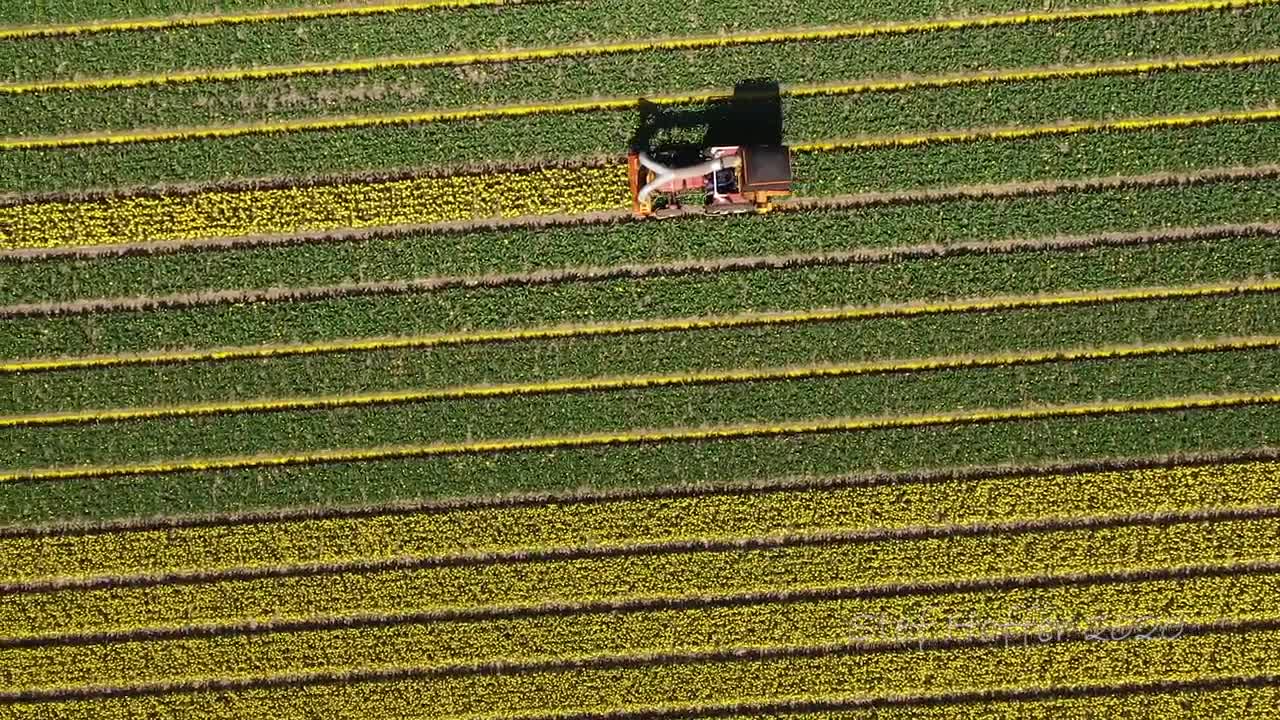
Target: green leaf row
pixel 437 31
pixel 647 73
pixel 848 341
pixel 550 138
pixel 634 467
pixel 464 421
pixel 763 290
pixel 48 12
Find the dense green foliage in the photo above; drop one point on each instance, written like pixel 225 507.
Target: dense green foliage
pixel 590 412
pixel 793 289
pixel 645 466
pixel 648 73
pixel 481 28
pixel 1153 321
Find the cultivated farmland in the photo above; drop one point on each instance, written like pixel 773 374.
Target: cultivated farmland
pixel 340 380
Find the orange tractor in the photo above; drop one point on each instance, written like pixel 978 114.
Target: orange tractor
pixel 731 179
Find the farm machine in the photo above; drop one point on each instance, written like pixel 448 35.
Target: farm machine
pixel 729 179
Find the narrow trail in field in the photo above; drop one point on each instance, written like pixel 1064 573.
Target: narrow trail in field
pixel 648 604
pixel 669 435
pixel 638 271
pixel 605 496
pixel 1264 623
pixel 766 319
pixel 1145 68
pixel 646 382
pixel 814 537
pixel 615 48
pixel 316 12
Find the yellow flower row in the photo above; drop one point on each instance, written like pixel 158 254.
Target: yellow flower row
pixel 627 327
pixel 1161 607
pixel 676 574
pixel 713 683
pixel 1236 703
pixel 640 437
pixel 617 104
pixel 224 213
pixel 761 37
pixel 622 522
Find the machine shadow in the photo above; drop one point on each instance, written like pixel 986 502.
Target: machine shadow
pixel 752 116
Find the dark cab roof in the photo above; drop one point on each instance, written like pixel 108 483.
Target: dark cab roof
pixel 766 167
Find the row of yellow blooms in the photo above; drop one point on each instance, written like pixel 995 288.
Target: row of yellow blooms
pixel 317 208
pixel 709 683
pixel 810 562
pixel 1158 607
pixel 628 521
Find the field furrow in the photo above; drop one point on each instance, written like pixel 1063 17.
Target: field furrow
pixel 589 274
pixel 883 340
pixel 1223 697
pixel 471 316
pixel 1241 369
pixel 1027 442
pixel 440 30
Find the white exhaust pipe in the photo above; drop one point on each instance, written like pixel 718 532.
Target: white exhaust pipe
pixel 664 174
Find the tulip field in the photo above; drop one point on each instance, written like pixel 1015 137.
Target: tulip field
pixel 340 381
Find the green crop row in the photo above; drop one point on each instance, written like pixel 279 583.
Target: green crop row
pixel 477 420
pixel 1030 442
pixel 1081 156
pixel 1154 607
pixel 513 250
pixel 72 11
pixel 849 341
pixel 761 290
pixel 832 173
pixel 437 32
pixel 550 138
pixel 678 574
pixel 291 433
pixel 646 73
